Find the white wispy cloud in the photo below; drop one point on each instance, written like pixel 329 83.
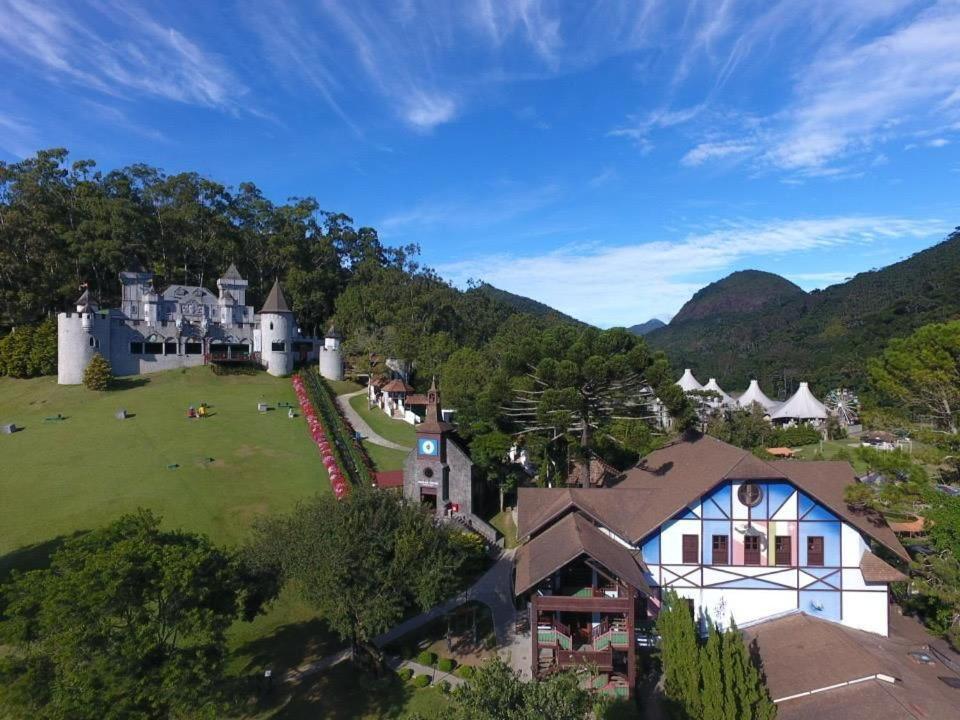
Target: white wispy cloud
pixel 125 52
pixel 714 150
pixel 17 137
pixel 629 283
pixel 508 201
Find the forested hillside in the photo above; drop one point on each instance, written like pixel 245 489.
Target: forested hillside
pixel 823 336
pixel 523 304
pixel 647 327
pixel 739 292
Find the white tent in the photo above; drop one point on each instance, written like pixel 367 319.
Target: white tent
pixel 688 382
pixel 801 406
pixel 755 395
pixel 724 398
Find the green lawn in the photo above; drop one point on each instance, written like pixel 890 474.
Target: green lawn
pixel 830 450
pixel 61 477
pixel 342 387
pixel 385 458
pixel 504 523
pixel 346 693
pixel 397 431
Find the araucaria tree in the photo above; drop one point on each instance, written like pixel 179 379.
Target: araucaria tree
pixel 711 680
pixel 922 372
pixel 128 622
pixel 579 393
pixel 98 374
pixel 361 562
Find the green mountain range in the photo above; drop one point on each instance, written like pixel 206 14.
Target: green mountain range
pixel 647 327
pixel 758 325
pixel 524 304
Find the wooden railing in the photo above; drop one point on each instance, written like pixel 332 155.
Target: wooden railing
pixel 600 659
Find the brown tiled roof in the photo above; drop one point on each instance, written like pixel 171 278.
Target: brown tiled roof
pixel 398 386
pixel 379 382
pixel 389 479
pixel 876 570
pixel 621 510
pixel 600 472
pixel 566 541
pixel 672 477
pixel 415 399
pixel 801 653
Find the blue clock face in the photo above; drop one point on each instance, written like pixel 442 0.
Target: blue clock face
pixel 428 446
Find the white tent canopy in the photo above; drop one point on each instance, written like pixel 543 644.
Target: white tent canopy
pixel 724 398
pixel 688 383
pixel 755 395
pixel 801 406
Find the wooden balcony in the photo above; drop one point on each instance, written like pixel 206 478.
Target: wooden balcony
pixel 602 660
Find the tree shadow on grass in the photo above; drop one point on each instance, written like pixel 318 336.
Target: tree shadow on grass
pixel 128 383
pixel 33 557
pixel 342 692
pixel 288 647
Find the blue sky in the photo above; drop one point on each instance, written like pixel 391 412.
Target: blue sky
pixel 608 158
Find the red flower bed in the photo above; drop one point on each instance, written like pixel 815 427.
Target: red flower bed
pixel 319 435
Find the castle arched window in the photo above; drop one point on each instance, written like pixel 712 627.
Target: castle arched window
pixel 271 325
pixel 93 342
pixel 278 346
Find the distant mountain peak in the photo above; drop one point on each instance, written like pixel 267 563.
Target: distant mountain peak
pixel 648 326
pixel 740 292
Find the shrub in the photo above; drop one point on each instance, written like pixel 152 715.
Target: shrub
pixel 465 671
pixel 445 664
pixel 421 681
pixel 405 673
pixel 427 658
pixel 444 686
pixel 99 374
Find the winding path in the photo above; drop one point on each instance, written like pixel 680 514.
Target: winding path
pixel 492 589
pixel 360 425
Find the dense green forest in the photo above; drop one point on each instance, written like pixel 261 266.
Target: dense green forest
pixel 823 336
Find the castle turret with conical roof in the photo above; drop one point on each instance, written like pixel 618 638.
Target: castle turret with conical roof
pixel 276 332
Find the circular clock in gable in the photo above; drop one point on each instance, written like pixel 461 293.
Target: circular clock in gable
pixel 750 494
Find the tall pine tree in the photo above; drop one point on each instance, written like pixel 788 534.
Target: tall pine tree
pixel 679 654
pixel 711 675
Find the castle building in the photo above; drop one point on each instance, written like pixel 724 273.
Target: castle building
pixel 740 539
pixel 331 358
pixel 183 326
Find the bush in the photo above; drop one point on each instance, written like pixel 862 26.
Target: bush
pixel 421 681
pixel 99 374
pixel 445 664
pixel 405 673
pixel 427 658
pixel 465 671
pixel 29 351
pixel 444 686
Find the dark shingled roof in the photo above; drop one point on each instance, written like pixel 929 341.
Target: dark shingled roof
pixel 276 302
pixel 566 541
pixel 232 273
pixel 669 479
pixel 801 653
pixel 876 570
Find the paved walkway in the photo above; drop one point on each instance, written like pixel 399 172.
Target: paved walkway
pixel 492 589
pixel 361 426
pixel 395 663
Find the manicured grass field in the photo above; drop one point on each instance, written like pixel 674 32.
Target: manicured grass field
pixel 397 431
pixel 385 458
pixel 212 475
pixel 61 477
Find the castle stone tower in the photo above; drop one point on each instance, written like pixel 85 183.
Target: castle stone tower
pixel 80 335
pixel 231 283
pixel 276 333
pixel 331 359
